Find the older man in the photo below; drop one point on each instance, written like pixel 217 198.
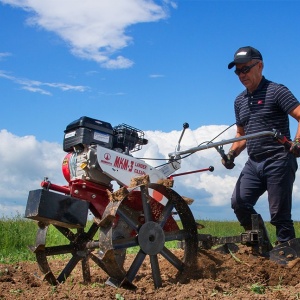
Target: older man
pixel 263 105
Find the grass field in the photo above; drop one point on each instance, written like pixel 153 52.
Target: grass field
pixel 16 234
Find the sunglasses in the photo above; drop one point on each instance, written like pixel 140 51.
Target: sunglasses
pixel 245 69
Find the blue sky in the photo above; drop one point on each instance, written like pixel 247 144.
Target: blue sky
pixel 151 64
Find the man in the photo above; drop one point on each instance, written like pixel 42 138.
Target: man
pixel 271 166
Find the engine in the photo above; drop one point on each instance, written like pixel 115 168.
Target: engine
pixel 81 139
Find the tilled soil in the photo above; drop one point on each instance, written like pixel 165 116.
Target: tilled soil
pixel 215 276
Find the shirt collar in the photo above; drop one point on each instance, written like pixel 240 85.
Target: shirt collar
pixel 260 86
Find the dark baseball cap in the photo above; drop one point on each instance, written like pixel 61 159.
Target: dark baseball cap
pixel 245 54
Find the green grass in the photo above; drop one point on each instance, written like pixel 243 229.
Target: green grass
pixel 230 228
pixel 16 234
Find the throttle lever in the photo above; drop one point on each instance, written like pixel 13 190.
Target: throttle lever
pixel 222 153
pixel 282 139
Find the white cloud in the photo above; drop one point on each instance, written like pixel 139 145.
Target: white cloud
pixel 25 162
pixel 36 86
pixel 93 29
pixel 36 90
pixel 4 54
pixel 156 75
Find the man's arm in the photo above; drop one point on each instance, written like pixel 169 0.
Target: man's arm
pixel 295 145
pixel 235 150
pixel 295 113
pixel 239 146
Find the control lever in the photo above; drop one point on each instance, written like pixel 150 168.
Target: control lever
pixel 185 126
pixel 222 152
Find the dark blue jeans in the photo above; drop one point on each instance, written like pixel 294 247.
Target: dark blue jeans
pixel 276 175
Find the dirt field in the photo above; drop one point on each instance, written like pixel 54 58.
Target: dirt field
pixel 216 276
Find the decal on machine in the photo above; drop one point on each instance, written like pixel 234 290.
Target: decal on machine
pixel 106 159
pixel 130 165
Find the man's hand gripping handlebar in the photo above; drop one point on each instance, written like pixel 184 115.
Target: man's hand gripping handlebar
pixel 293 147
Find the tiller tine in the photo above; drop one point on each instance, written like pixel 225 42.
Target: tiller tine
pixel 227 248
pixel 125 283
pixel 285 252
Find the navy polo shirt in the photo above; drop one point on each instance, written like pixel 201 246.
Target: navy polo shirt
pixel 267 108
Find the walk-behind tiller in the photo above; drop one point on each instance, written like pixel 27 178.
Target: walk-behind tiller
pixel 143 213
